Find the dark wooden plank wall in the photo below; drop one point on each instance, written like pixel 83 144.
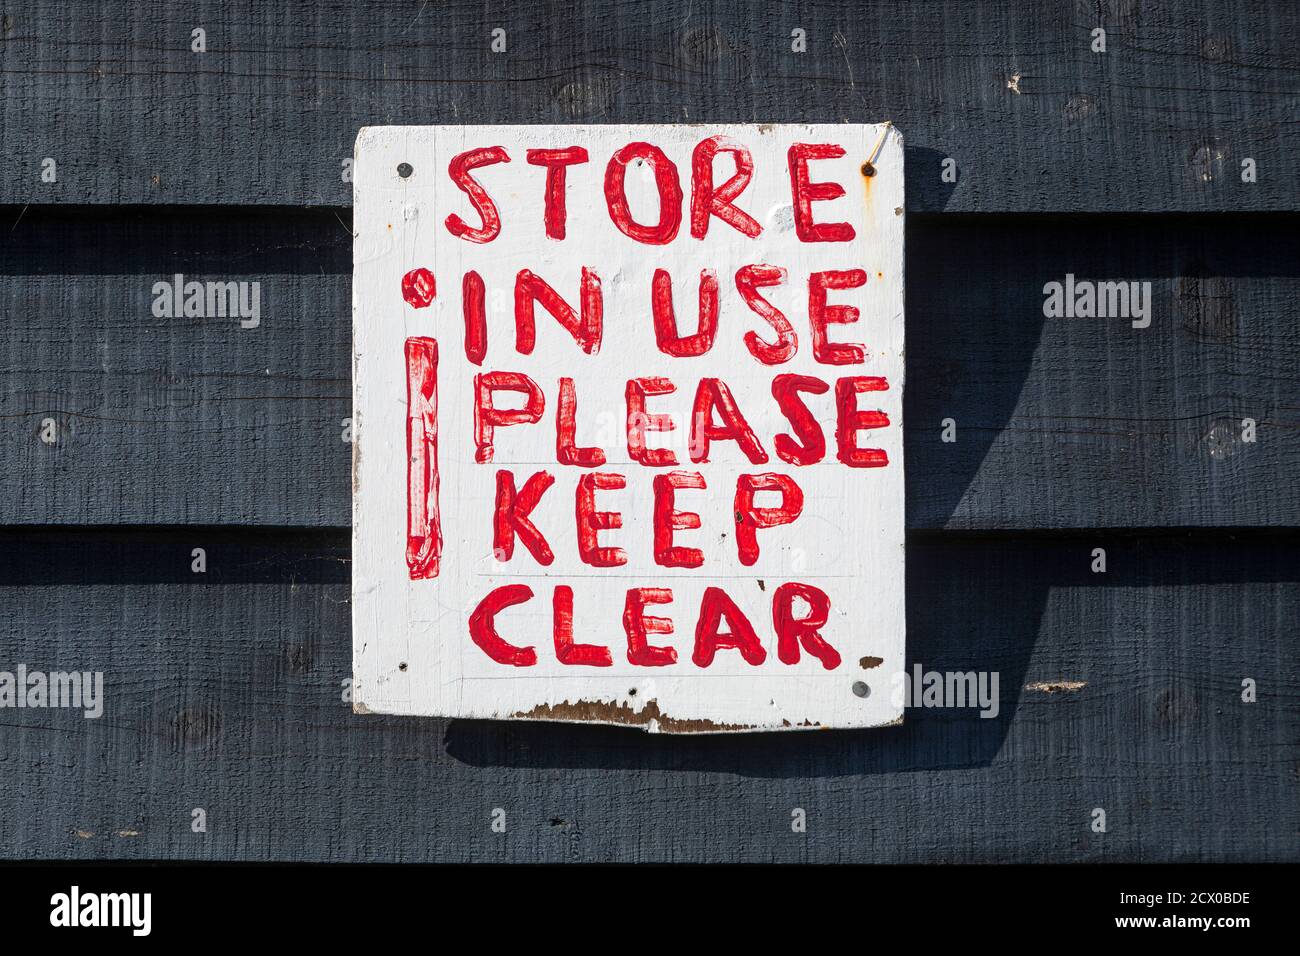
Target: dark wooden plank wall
pixel 227 696
pixel 1119 690
pixel 1037 121
pixel 1068 423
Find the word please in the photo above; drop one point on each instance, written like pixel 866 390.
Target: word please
pixel 715 416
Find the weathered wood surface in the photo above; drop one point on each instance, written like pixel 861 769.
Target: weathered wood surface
pixel 224 691
pixel 1060 423
pixel 1013 91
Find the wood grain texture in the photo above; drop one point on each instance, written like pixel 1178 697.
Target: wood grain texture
pixel 224 692
pixel 1012 91
pixel 1060 423
pixel 152 410
pixel 1080 423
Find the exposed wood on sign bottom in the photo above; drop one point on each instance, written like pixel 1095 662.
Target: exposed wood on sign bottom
pixel 648 718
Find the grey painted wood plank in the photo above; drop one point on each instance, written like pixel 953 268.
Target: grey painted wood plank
pixel 1013 91
pixel 176 420
pixel 1084 422
pixel 224 692
pixel 1059 423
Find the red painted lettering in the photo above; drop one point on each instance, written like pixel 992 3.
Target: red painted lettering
pixel 638 626
pixel 805 193
pixel 639 422
pixel 710 394
pixel 786 389
pixel 792 631
pixel 669 341
pixel 512 517
pixel 667 182
pixel 591 521
pixel 667 520
pixel 748 280
pixel 707 201
pixel 586 331
pixel 423 527
pixel 478 196
pixel 820 315
pixel 482 626
pixel 713 608
pixel 557 162
pixel 750 518
pixel 487 417
pixel 850 420
pixel 566 413
pixel 567 652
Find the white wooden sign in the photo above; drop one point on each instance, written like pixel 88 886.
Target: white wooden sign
pixel 628 424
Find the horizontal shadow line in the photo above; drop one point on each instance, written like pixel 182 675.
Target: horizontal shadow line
pixel 108 555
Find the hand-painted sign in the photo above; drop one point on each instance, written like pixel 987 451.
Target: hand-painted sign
pixel 628 419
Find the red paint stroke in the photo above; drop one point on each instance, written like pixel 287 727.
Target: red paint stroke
pixel 786 389
pixel 482 626
pixel 638 626
pixel 715 606
pixel 419 288
pixel 792 631
pixel 475 312
pixel 512 516
pixel 487 417
pixel 585 326
pixel 566 450
pixel 459 169
pixel 749 518
pixel 556 162
pixel 707 201
pixel 822 314
pixel 851 419
pixel 639 421
pixel 711 394
pixel 591 521
pixel 423 524
pixel 567 652
pixel 666 181
pixel 669 340
pixel 749 279
pixel 805 193
pixel 668 519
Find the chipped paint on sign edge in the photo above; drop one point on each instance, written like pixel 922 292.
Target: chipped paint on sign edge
pixel 649 718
